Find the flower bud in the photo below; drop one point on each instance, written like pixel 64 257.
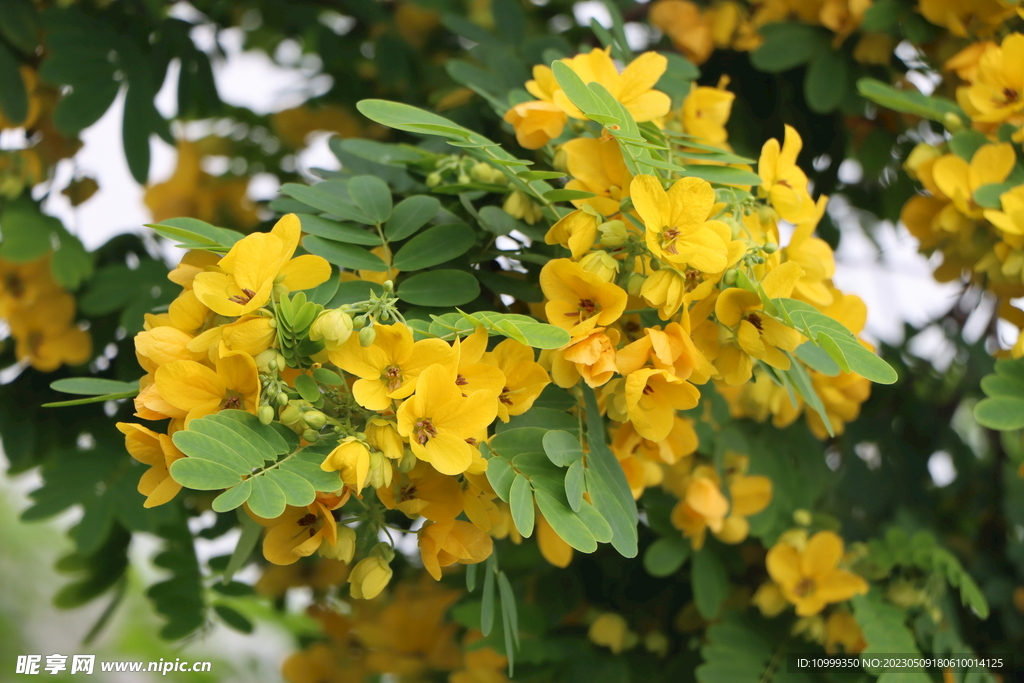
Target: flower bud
pixel 482 172
pixel 359 322
pixel 282 399
pixel 380 470
pixel 266 414
pixel 344 548
pixel 952 122
pixel 464 179
pixel 310 435
pixel 434 179
pixel 561 160
pixel 770 248
pixel 290 415
pixel 730 277
pixel 613 233
pixel 610 630
pixel 266 361
pixel 334 327
pixel 315 419
pixel 408 461
pixel 770 600
pixel 383 551
pixel 367 335
pixel 388 286
pixel 656 642
pixel 369 577
pixel 519 205
pixel 383 435
pixel 600 263
pixel 351 458
pixel 634 284
pixel 802 517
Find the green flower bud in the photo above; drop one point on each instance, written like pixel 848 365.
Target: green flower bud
pixel 367 335
pixel 266 361
pixel 315 419
pixel 334 327
pixel 266 414
pixel 434 179
pixel 290 415
pixel 635 282
pixel 613 233
pixel 407 462
pixel 730 277
pixel 601 264
pixel 310 435
pixel 388 286
pixel 464 179
pixel 770 248
pixel 282 399
pixel 359 322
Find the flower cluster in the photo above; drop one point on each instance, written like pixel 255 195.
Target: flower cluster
pixel 41 316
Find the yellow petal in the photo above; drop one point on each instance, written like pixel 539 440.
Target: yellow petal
pixel 305 272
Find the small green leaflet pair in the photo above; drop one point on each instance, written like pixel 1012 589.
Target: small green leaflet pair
pixel 1004 407
pixel 532 465
pixel 522 328
pixel 232 450
pixel 97 389
pixel 509 612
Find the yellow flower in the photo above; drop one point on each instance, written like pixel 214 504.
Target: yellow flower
pixel 965 62
pixel 688 28
pixel 611 631
pixel 244 279
pixel 45 335
pixel 633 88
pixel 351 458
pixel 383 435
pixel 843 634
pixel 782 181
pixel 192 263
pixel 369 577
pixel 300 531
pixel 424 492
pixel 680 443
pixel 706 111
pixel 757 335
pixel 678 229
pixel 438 420
pixel 1011 219
pixel 388 368
pixel 525 379
pixel 519 205
pixel 810 577
pixel 442 544
pixel 295 125
pixel 195 390
pixel 815 258
pixel 672 350
pixel 958 180
pixel 157 451
pixel 963 17
pixel 536 123
pixel 652 397
pixel 556 551
pixel 769 599
pixel 579 301
pixel 702 507
pixel 575 231
pixel 590 355
pixel 596 165
pixel 334 327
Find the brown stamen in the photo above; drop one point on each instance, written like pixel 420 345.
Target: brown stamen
pixel 245 297
pixel 424 431
pixel 755 320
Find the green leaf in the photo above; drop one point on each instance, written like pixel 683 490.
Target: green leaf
pixel 665 556
pixel 92 386
pixel 409 215
pixel 330 197
pixel 521 505
pixel 435 246
pixel 965 143
pixel 251 532
pixel 439 288
pixel 989 196
pixel 567 195
pixel 136 128
pixel 307 465
pixel 907 101
pixel 338 232
pixel 817 359
pixel 521 289
pixel 231 448
pixel 264 439
pixel 297 491
pixel 267 499
pixel 233 497
pixel 723 175
pixel 233 618
pixel 201 446
pixel 372 196
pixel 328 377
pixel 343 255
pixel 1002 413
pixel 606 482
pixel 678 76
pixel 307 388
pixel 860 360
pixel 562 448
pixel 501 475
pixel 882 16
pixel 786 46
pixel 195 230
pixel 826 81
pixel 203 475
pixel 574 87
pixel 575 486
pixel 354 292
pixel 487 599
pixel 18 25
pixel 545 418
pixel 497 220
pixel 537 175
pixel 13 96
pixel 514 442
pixel 85 105
pixel 710 583
pixel 569 527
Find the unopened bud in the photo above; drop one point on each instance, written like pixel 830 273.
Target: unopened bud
pixel 281 399
pixel 334 327
pixel 383 551
pixel 266 414
pixel 730 277
pixel 266 361
pixel 344 548
pixel 367 335
pixel 770 248
pixel 613 233
pixel 359 322
pixel 952 122
pixel 388 286
pixel 600 263
pixel 315 419
pixel 802 517
pixel 408 461
pixel 290 415
pixel 434 179
pixel 380 470
pixel 561 161
pixel 310 435
pixel 634 284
